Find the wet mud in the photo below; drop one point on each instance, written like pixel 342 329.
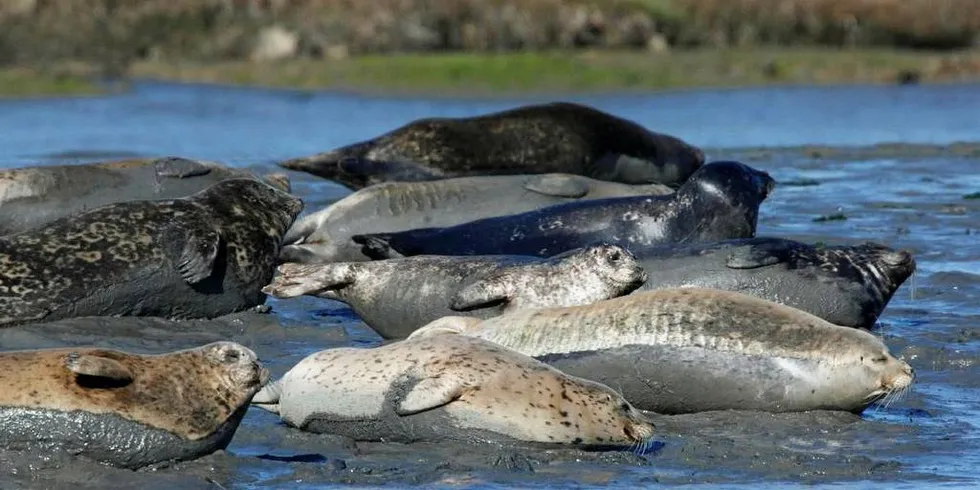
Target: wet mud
pixel 905 197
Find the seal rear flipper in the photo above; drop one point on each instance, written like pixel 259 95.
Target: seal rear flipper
pixel 300 230
pixel 268 397
pixel 300 279
pixel 179 168
pixel 193 252
pixel 98 367
pixel 429 393
pixel 559 185
pixel 278 180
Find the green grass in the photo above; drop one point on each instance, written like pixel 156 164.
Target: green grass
pixel 22 82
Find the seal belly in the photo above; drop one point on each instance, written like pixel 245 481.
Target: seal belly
pixel 674 380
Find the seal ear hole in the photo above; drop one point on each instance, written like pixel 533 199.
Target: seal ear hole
pixel 100 382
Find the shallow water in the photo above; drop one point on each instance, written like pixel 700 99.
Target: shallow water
pixel 908 196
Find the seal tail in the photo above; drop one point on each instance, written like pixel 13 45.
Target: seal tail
pixel 377 246
pixel 310 279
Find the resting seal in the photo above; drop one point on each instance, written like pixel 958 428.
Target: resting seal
pixel 395 297
pixel 720 201
pixel 556 137
pixel 32 197
pixel 324 236
pixel 449 388
pixel 127 410
pixel 692 350
pixel 845 285
pixel 197 257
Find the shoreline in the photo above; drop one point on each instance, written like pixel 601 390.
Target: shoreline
pixel 526 74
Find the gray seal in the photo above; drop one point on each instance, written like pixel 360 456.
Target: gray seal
pixel 196 257
pixel 689 350
pixel 546 138
pixel 395 297
pixel 720 201
pixel 450 388
pixel 32 197
pixel 324 236
pixel 845 285
pixel 127 410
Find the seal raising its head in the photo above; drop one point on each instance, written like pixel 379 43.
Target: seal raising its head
pixel 690 350
pixel 556 137
pixel 124 409
pixel 397 296
pixel 450 388
pixel 720 201
pixel 198 257
pixel 32 197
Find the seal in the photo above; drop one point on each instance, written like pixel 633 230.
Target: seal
pixel 720 201
pixel 446 388
pixel 688 350
pixel 202 256
pixel 845 285
pixel 395 297
pixel 32 197
pixel 123 409
pixel 324 236
pixel 544 138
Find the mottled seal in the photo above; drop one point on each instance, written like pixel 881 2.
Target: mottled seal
pixel 395 297
pixel 845 285
pixel 32 197
pixel 691 350
pixel 544 138
pixel 197 257
pixel 449 387
pixel 324 236
pixel 124 409
pixel 720 201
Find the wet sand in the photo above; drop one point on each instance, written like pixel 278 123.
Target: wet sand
pixel 910 198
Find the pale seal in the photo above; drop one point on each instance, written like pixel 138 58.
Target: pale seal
pixel 395 297
pixel 450 387
pixel 720 201
pixel 692 350
pixel 324 236
pixel 32 197
pixel 845 285
pixel 197 257
pixel 124 409
pixel 556 137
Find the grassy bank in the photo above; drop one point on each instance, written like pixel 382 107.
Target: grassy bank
pixel 548 72
pixel 25 82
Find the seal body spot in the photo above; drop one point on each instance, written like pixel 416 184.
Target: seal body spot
pixel 441 387
pixel 127 410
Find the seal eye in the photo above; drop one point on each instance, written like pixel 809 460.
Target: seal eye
pixel 615 256
pixel 880 360
pixel 232 356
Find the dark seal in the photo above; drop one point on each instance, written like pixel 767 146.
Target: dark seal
pixel 557 137
pixel 845 285
pixel 126 410
pixel 720 201
pixel 32 197
pixel 197 257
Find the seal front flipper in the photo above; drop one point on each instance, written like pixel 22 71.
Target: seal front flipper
pixel 492 290
pixel 193 252
pixel 179 168
pixel 298 279
pixel 98 367
pixel 755 255
pixel 560 185
pixel 376 246
pixel 375 171
pixel 429 393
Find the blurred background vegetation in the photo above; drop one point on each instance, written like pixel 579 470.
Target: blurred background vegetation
pixel 61 46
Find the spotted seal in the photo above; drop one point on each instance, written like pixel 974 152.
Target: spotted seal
pixel 449 388
pixel 543 138
pixel 324 236
pixel 127 410
pixel 692 350
pixel 202 256
pixel 32 197
pixel 720 201
pixel 843 284
pixel 395 297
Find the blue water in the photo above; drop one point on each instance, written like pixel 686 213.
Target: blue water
pixel 932 437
